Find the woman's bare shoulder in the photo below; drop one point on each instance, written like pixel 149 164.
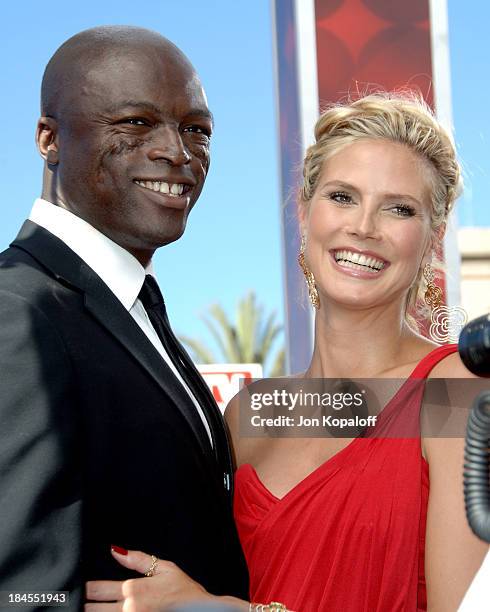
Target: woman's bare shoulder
pixel 244 447
pixel 247 447
pixel 451 367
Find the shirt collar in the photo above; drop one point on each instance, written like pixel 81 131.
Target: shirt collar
pixel 119 270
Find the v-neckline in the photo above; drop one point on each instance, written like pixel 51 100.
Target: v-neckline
pixel 331 460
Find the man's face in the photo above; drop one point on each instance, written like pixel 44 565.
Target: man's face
pixel 134 151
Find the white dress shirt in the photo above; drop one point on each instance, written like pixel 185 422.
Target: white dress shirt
pixel 119 270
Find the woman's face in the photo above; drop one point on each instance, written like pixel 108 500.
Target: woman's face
pixel 368 224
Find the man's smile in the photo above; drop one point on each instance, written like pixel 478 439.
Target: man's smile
pixel 174 189
pixel 169 195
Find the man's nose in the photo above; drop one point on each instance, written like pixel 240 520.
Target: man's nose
pixel 169 147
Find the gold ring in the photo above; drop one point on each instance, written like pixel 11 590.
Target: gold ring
pixel 152 568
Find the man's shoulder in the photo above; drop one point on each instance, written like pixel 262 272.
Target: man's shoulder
pixel 26 283
pixel 18 269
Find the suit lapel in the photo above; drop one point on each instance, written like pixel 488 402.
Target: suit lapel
pixel 110 313
pixel 102 304
pixel 213 412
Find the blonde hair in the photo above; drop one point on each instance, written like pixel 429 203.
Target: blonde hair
pixel 400 117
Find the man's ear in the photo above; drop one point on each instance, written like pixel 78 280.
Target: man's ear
pixel 47 139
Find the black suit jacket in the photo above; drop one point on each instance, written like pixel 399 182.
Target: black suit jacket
pixel 98 445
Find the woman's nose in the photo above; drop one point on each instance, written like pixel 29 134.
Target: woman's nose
pixel 364 224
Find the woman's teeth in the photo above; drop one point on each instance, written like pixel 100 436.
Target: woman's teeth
pixel 174 189
pixel 357 261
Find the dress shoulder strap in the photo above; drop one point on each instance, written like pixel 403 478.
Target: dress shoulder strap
pixel 425 365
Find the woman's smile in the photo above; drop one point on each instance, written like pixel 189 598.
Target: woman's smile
pixel 358 264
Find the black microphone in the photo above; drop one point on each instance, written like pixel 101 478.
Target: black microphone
pixel 476 468
pixel 474 346
pixel 474 350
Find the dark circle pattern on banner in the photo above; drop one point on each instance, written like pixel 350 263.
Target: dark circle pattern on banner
pixel 411 11
pixel 398 57
pixel 337 67
pixel 324 8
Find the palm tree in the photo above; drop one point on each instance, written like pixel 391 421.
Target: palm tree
pixel 249 340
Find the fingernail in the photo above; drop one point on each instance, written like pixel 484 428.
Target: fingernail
pixel 119 550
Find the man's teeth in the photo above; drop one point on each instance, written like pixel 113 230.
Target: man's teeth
pixel 175 189
pixel 348 259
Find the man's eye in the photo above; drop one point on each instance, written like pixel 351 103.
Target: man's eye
pixel 198 129
pixel 135 121
pixel 340 197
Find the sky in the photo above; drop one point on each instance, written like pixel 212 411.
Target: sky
pixel 232 243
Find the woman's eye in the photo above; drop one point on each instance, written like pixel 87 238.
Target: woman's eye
pixel 403 210
pixel 341 197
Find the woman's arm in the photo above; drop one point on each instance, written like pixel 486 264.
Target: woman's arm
pixel 244 449
pixel 231 417
pixel 453 553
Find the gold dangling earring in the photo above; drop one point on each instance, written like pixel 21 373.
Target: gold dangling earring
pixel 446 323
pixel 433 293
pixel 310 279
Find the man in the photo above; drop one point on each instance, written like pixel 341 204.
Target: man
pixel 108 436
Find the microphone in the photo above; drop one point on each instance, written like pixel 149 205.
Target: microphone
pixel 474 350
pixel 474 346
pixel 476 470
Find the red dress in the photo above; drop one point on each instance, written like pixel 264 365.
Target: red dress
pixel 350 537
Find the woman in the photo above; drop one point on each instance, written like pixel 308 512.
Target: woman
pixel 352 524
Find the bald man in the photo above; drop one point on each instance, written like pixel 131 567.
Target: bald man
pixel 108 436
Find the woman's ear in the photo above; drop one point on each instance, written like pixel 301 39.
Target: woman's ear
pixel 434 243
pixel 302 212
pixel 441 231
pixel 433 247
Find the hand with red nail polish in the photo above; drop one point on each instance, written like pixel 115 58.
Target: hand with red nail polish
pixel 167 586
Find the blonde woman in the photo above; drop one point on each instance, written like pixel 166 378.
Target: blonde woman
pixel 363 524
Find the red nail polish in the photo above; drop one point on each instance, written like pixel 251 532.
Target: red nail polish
pixel 119 550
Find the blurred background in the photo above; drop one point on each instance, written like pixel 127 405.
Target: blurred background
pixel 228 266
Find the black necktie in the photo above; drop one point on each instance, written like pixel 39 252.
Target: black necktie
pixel 154 304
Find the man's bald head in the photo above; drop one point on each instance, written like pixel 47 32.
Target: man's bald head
pixel 76 58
